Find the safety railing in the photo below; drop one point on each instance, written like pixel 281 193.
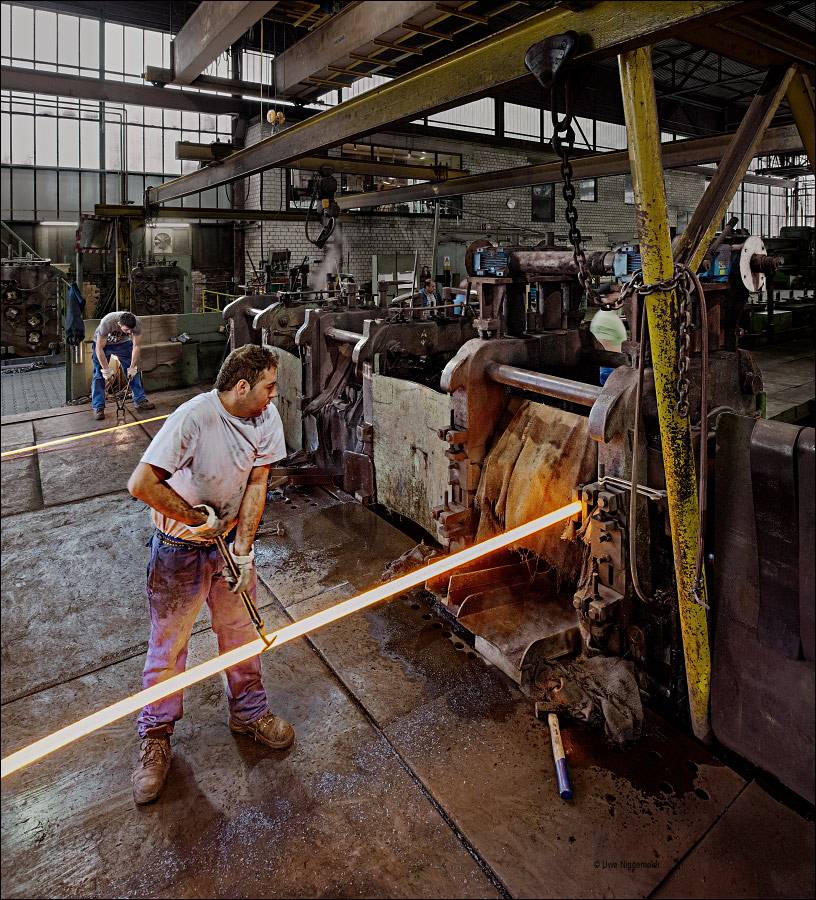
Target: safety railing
pixel 20 242
pixel 215 301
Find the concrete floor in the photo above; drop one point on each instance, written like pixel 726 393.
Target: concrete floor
pixel 788 374
pixel 418 769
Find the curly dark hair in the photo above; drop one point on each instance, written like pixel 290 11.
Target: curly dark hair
pixel 127 319
pixel 248 362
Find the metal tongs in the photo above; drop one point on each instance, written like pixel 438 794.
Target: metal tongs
pixel 257 621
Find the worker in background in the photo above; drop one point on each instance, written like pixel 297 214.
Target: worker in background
pixel 429 295
pixel 205 475
pixel 609 329
pixel 121 334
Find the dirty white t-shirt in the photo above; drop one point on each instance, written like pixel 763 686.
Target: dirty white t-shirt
pixel 110 329
pixel 210 455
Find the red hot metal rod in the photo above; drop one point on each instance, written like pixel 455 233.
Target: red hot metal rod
pixel 119 710
pixel 78 437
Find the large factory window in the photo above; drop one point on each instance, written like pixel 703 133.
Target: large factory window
pixel 588 190
pixel 543 203
pixel 59 137
pixel 522 121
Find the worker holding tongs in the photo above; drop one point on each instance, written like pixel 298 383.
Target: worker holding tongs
pixel 205 477
pixel 118 334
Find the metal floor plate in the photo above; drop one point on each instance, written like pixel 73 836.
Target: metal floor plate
pixel 335 816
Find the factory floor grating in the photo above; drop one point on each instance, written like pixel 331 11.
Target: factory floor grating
pixel 29 391
pixel 418 769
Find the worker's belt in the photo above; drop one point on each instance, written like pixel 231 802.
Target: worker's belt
pixel 183 545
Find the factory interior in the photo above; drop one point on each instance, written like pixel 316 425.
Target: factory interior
pixel 535 570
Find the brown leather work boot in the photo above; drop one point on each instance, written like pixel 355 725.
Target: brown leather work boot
pixel 270 729
pixel 154 761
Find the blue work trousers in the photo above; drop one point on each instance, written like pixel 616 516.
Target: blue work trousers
pixel 179 580
pixel 124 352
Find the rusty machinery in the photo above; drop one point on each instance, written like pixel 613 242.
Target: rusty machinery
pixel 157 289
pixel 461 422
pixel 404 406
pixel 30 308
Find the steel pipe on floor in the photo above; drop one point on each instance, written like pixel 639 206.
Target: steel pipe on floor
pixel 549 385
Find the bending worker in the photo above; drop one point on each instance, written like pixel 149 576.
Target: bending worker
pixel 121 334
pixel 205 475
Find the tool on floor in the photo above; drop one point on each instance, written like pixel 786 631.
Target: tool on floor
pixel 257 621
pixel 564 786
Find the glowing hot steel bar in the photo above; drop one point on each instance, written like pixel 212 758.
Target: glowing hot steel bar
pixel 77 437
pixel 129 705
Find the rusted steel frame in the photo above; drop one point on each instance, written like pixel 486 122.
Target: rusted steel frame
pixel 372 167
pixel 393 45
pixel 211 29
pixel 709 213
pixel 189 212
pixel 774 33
pixel 800 99
pixel 305 475
pixel 15 78
pixel 676 155
pixel 359 57
pixel 549 385
pixel 643 127
pixel 468 74
pixel 734 46
pixel 428 32
pixel 461 13
pixel 314 79
pixel 352 29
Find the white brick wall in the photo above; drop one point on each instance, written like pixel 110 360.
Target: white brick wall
pixel 604 222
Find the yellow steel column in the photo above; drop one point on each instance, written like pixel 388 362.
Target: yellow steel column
pixel 800 100
pixel 642 124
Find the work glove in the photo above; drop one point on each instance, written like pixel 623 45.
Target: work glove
pixel 244 565
pixel 107 373
pixel 132 370
pixel 213 527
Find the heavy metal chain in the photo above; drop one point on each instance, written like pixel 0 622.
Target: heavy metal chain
pixel 682 283
pixel 563 147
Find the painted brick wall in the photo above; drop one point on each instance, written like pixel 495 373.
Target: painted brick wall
pixel 605 222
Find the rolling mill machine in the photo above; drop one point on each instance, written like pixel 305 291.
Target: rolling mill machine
pixel 474 416
pixel 30 296
pixel 466 418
